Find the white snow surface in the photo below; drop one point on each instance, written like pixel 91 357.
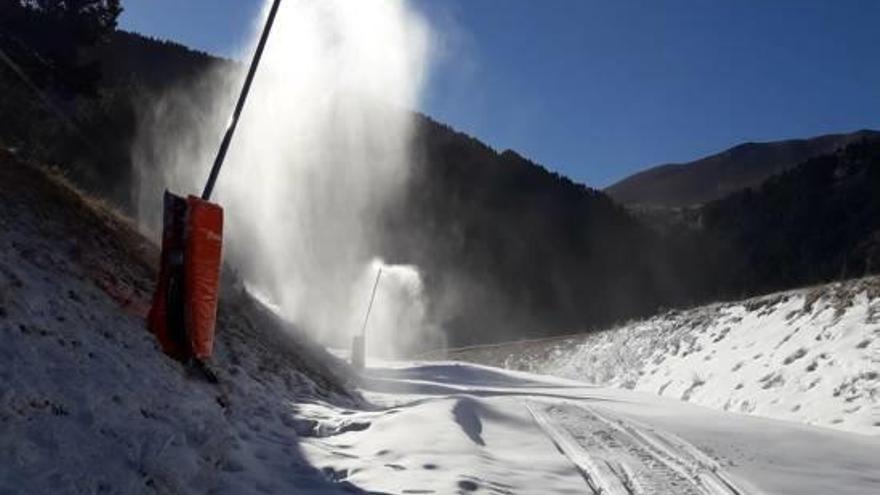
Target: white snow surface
pixel 810 356
pixel 447 427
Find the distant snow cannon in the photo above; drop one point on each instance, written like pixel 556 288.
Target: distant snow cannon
pixel 359 342
pixel 184 309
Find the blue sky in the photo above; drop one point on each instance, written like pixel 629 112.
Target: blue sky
pixel 599 90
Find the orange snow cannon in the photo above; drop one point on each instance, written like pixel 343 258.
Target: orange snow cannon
pixel 184 309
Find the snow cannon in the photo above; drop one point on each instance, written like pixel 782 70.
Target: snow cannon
pixel 184 309
pixel 357 352
pixel 359 342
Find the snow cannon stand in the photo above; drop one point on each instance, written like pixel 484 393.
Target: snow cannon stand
pixel 184 309
pixel 358 360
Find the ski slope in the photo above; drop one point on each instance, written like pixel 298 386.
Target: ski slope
pixel 446 427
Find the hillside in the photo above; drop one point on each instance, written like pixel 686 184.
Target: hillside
pixel 542 256
pixel 513 249
pixel 814 223
pixel 154 64
pixel 713 177
pixel 809 355
pixel 89 404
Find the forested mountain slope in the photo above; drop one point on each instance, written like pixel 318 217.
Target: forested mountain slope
pixel 716 176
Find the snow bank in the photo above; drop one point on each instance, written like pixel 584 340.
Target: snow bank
pixel 810 355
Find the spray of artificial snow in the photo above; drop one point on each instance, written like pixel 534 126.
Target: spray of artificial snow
pixel 321 151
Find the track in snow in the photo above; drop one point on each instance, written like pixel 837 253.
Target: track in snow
pixel 619 457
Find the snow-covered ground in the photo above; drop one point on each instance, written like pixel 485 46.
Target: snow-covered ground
pixel 89 405
pixel 446 427
pixel 810 355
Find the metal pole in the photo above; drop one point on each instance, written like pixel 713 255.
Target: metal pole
pixel 370 307
pixel 224 145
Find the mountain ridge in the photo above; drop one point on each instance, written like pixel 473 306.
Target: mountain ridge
pixel 714 176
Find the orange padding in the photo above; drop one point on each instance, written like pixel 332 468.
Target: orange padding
pixel 204 241
pixel 184 309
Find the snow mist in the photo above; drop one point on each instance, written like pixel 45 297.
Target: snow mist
pixel 320 153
